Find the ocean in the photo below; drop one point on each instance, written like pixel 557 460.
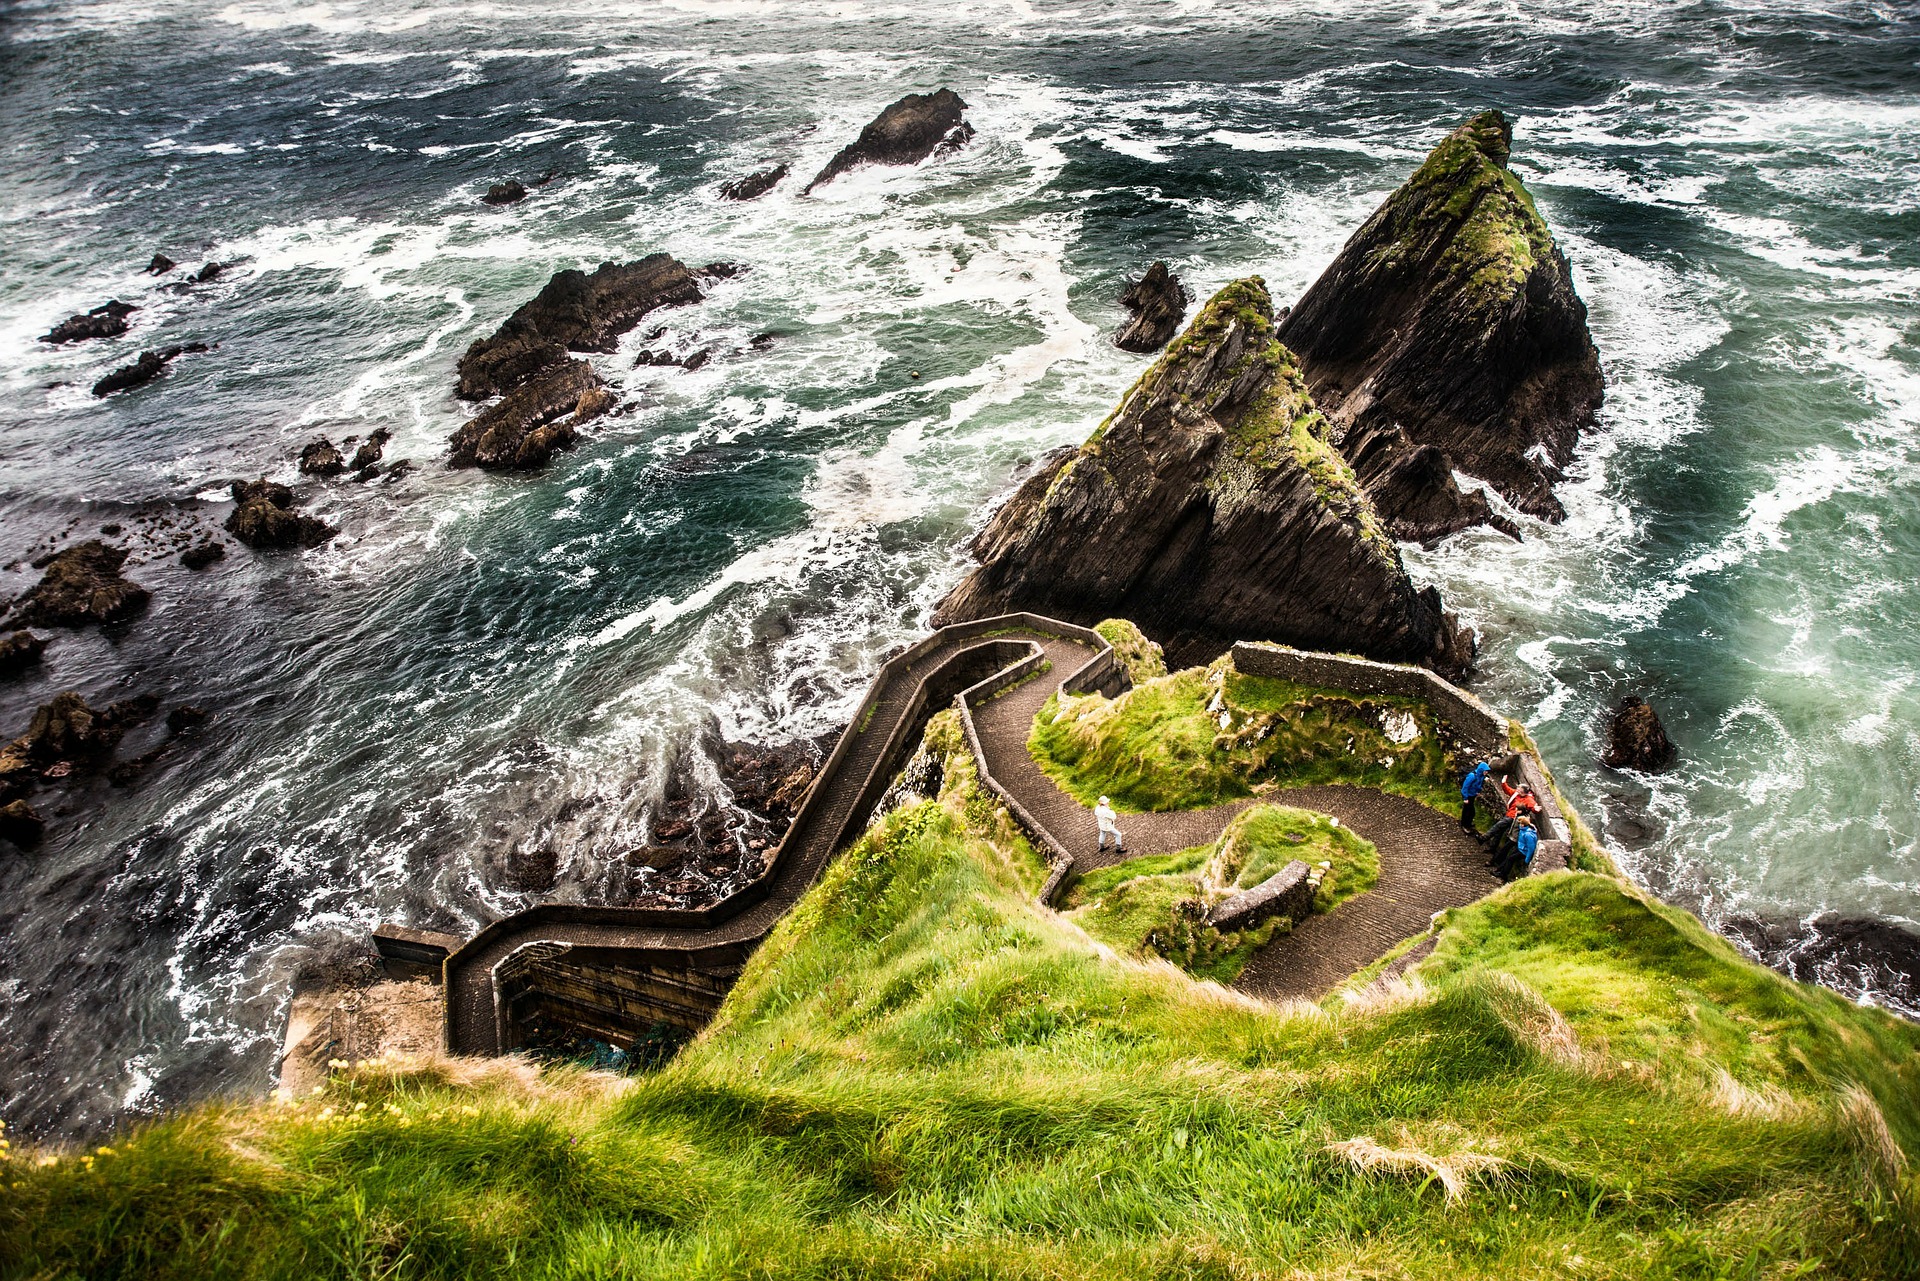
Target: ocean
pixel 485 673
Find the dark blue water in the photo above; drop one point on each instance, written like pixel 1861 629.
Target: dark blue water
pixel 487 671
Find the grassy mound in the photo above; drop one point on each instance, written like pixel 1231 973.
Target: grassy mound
pixel 1155 905
pixel 1206 735
pixel 922 1074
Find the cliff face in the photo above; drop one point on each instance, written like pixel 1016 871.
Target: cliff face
pixel 1451 315
pixel 1210 506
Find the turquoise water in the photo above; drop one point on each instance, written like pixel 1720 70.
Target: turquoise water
pixel 484 670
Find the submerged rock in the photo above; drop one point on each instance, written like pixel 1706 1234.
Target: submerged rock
pixel 21 824
pixel 574 312
pixel 263 517
pixel 1451 313
pixel 917 126
pixel 19 650
pixel 81 586
pixel 753 185
pixel 161 265
pixel 532 421
pixel 1635 738
pixel 371 449
pixel 201 555
pixel 149 366
pixel 1158 303
pixel 209 272
pixel 320 458
pixel 1211 507
pixel 109 320
pixel 505 193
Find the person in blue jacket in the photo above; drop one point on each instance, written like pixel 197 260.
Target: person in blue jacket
pixel 1518 859
pixel 1469 789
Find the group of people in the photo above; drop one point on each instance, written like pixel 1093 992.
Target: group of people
pixel 1514 838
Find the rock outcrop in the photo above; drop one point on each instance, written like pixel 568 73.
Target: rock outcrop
pixel 532 421
pixel 201 555
pixel 19 650
pixel 574 312
pixel 371 449
pixel 1451 314
pixel 160 265
pixel 66 736
pixel 263 517
pixel 1210 507
pixel 1158 303
pixel 753 185
pixel 82 586
pixel 916 127
pixel 505 193
pixel 322 458
pixel 1413 488
pixel 21 824
pixel 1636 739
pixel 109 320
pixel 149 366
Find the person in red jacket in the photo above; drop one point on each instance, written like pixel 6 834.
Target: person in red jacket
pixel 1520 800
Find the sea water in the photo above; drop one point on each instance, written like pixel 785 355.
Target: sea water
pixel 488 670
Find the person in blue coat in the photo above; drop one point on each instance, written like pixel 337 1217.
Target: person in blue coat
pixel 1518 859
pixel 1470 789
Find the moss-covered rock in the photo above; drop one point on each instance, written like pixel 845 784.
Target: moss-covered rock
pixel 1449 321
pixel 1211 505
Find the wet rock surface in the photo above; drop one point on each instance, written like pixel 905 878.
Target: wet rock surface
pixel 753 185
pixel 916 127
pixel 1451 314
pixel 106 321
pixel 149 366
pixel 527 425
pixel 1413 488
pixel 371 449
pixel 1211 507
pixel 21 824
pixel 67 737
pixel 1635 738
pixel 160 265
pixel 505 193
pixel 19 651
pixel 1158 302
pixel 201 555
pixel 1846 953
pixel 82 586
pixel 574 312
pixel 321 458
pixel 263 518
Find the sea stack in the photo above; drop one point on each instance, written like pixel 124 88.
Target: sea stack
pixel 1210 507
pixel 1449 320
pixel 1158 302
pixel 917 126
pixel 1636 739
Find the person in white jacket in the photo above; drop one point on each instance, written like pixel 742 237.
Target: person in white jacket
pixel 1109 826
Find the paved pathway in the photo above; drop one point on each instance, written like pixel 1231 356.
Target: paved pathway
pixel 1426 862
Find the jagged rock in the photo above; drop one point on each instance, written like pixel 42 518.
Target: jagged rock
pixel 67 729
pixel 769 782
pixel 109 320
pixel 19 650
pixel 398 470
pixel 1451 312
pixel 21 824
pixel 203 554
pixel 1208 508
pixel 209 272
pixel 505 193
pixel 531 421
pixel 1635 738
pixel 574 312
pixel 371 449
pixel 161 265
pixel 754 185
pixel 1413 488
pixel 263 517
pixel 1158 303
pixel 82 585
pixel 149 366
pixel 917 126
pixel 320 458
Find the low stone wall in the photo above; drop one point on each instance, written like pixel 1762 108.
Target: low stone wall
pixel 1288 892
pixel 1471 720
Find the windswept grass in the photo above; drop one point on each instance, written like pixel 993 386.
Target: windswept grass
pixel 1206 735
pixel 922 1074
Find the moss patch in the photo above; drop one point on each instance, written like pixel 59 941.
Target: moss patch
pixel 1143 660
pixel 1206 735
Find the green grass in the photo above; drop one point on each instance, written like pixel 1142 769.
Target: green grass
pixel 1142 659
pixel 1161 747
pixel 923 1074
pixel 1154 905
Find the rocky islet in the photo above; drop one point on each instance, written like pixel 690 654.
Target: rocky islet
pixel 910 130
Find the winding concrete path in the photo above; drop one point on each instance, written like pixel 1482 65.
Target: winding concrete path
pixel 1426 862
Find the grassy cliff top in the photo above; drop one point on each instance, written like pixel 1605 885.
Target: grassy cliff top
pixel 1466 199
pixel 922 1074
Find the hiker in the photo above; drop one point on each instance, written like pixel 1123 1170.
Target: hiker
pixel 1103 814
pixel 1516 860
pixel 1469 790
pixel 1520 800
